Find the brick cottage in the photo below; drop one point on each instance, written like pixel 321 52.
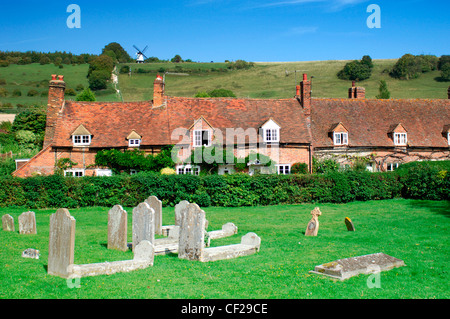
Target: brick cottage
pixel 385 133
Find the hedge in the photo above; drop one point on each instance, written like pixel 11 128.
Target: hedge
pixel 418 182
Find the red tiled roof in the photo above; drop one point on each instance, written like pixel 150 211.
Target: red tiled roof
pixel 369 121
pixel 111 123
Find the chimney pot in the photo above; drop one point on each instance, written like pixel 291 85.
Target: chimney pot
pixel 61 77
pixel 297 90
pixel 54 76
pixel 353 83
pixel 305 77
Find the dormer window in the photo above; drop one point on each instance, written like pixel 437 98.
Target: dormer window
pixel 134 139
pixel 400 138
pixel 271 132
pixel 339 134
pixel 399 135
pixel 446 133
pixel 202 138
pixel 81 137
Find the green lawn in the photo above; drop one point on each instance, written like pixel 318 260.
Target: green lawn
pixel 414 231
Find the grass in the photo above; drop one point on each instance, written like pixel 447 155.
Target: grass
pixel 265 80
pixel 414 231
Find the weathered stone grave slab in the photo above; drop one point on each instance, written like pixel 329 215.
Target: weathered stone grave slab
pixel 117 228
pixel 192 240
pixel 168 245
pixel 27 223
pixel 61 243
pixel 143 224
pixel 345 268
pixel 179 208
pixel 8 223
pixel 313 226
pixel 349 224
pixel 156 204
pixel 31 253
pixel 143 258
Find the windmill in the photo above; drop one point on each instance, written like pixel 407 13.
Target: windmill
pixel 140 54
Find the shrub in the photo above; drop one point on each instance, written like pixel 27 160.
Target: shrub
pixel 3 92
pixel 32 92
pixel 70 92
pixel 86 95
pixel 299 168
pixel 17 93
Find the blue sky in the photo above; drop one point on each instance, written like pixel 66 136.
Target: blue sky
pixel 216 30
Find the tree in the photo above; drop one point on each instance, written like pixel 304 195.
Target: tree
pixel 407 67
pixel 367 60
pixel 383 92
pixel 355 71
pixel 98 80
pixel 177 59
pixel 119 52
pixel 221 93
pixel 445 72
pixel 444 59
pixel 86 95
pixel 103 62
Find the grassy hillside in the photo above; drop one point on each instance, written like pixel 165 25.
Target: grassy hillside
pixel 265 80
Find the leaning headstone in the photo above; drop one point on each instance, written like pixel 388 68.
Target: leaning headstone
pixel 31 253
pixel 156 204
pixel 349 224
pixel 8 223
pixel 345 268
pixel 179 208
pixel 27 223
pixel 313 226
pixel 143 224
pixel 192 233
pixel 61 248
pixel 117 228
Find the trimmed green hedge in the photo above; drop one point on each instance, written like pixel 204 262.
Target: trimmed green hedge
pixel 417 181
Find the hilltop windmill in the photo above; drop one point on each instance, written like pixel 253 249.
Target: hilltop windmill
pixel 140 54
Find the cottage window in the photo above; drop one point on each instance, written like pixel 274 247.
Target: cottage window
pixel 81 140
pixel 283 169
pixel 448 138
pixel 188 170
pixel 134 143
pixel 400 139
pixel 392 166
pixel 272 135
pixel 202 138
pixel 340 138
pixel 74 173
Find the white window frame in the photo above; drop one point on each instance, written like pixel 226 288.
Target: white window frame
pixel 198 138
pixel 134 143
pixel 81 140
pixel 188 170
pixel 448 138
pixel 283 169
pixel 103 172
pixel 272 135
pixel 340 138
pixel 390 167
pixel 74 172
pixel 400 139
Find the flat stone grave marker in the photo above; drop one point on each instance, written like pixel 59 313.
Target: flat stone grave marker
pixel 27 223
pixel 349 224
pixel 156 204
pixel 345 268
pixel 61 248
pixel 8 223
pixel 117 228
pixel 313 226
pixel 143 224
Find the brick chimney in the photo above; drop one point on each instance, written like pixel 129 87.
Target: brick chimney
pixel 57 88
pixel 305 95
pixel 356 92
pixel 158 91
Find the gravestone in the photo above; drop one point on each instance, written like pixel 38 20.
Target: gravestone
pixel 117 228
pixel 143 224
pixel 349 224
pixel 345 268
pixel 27 223
pixel 61 248
pixel 192 233
pixel 8 223
pixel 31 253
pixel 179 208
pixel 156 204
pixel 313 226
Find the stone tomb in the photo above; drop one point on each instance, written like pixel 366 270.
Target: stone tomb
pixel 192 240
pixel 345 268
pixel 27 223
pixel 349 224
pixel 117 228
pixel 62 248
pixel 313 226
pixel 8 223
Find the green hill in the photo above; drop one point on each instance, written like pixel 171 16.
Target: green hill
pixel 264 80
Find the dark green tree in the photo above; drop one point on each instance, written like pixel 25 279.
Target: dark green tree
pixel 383 92
pixel 86 95
pixel 119 52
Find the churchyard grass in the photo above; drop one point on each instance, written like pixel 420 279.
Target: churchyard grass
pixel 412 230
